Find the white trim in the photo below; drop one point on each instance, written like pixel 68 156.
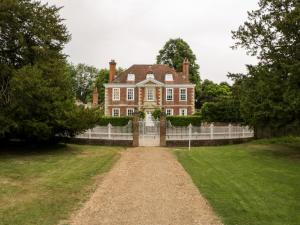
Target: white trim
pixel 128 110
pixel 112 112
pixel 170 100
pixel 143 83
pixel 113 95
pixel 179 85
pixel 186 111
pixel 172 111
pixel 186 94
pixel 113 85
pixel 132 94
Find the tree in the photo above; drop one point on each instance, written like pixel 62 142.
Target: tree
pixel 269 93
pixel 84 79
pixel 36 98
pixel 173 53
pixel 211 92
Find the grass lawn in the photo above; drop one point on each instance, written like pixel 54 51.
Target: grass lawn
pixel 257 183
pixel 45 186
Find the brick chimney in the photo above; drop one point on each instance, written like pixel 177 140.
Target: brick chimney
pixel 112 70
pixel 185 67
pixel 95 96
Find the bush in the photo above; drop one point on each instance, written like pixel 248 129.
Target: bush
pixel 115 121
pixel 184 120
pixel 156 113
pixel 224 110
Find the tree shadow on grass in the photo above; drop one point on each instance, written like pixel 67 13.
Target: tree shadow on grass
pixel 20 149
pixel 288 151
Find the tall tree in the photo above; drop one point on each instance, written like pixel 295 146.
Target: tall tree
pixel 36 98
pixel 84 78
pixel 270 92
pixel 173 53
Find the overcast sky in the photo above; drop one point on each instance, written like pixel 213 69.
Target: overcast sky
pixel 133 31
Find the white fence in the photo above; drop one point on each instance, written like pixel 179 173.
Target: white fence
pixel 209 132
pixel 108 132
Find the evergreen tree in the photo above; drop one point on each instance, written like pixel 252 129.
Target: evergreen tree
pixel 270 93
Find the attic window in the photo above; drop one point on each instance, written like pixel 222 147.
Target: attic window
pixel 130 77
pixel 150 76
pixel 169 77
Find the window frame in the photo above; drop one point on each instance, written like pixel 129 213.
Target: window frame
pixel 185 110
pixel 131 77
pixel 171 111
pixel 169 75
pixel 127 89
pixel 167 94
pixel 113 94
pixel 128 110
pixel 184 100
pixel 153 93
pixel 113 112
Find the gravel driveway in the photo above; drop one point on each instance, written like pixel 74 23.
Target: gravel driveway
pixel 146 186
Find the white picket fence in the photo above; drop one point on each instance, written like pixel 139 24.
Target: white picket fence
pixel 108 132
pixel 208 132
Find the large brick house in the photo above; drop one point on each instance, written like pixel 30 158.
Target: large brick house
pixel 149 87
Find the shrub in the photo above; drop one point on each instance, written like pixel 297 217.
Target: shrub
pixel 184 120
pixel 156 113
pixel 115 121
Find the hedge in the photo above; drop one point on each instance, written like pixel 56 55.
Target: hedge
pixel 185 120
pixel 115 121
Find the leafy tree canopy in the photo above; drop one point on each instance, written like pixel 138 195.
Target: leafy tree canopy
pixel 173 53
pixel 36 98
pixel 270 93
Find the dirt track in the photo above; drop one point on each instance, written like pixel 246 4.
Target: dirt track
pixel 146 186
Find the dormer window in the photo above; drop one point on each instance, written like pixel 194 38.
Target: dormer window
pixel 130 77
pixel 169 77
pixel 150 76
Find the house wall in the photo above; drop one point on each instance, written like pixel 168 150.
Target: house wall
pixel 138 102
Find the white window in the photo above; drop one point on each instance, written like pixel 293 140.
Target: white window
pixel 182 94
pixel 130 77
pixel 130 111
pixel 169 112
pixel 115 112
pixel 150 76
pixel 116 94
pixel 130 94
pixel 169 77
pixel 169 94
pixel 150 94
pixel 183 112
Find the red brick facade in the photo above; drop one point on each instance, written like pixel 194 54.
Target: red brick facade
pixel 149 84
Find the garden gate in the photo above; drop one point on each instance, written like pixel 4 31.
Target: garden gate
pixel 149 133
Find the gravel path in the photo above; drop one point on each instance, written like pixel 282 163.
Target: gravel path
pixel 146 186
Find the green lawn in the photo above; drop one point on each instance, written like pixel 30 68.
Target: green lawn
pixel 44 186
pixel 256 183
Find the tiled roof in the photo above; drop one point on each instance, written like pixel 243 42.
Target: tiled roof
pixel 159 71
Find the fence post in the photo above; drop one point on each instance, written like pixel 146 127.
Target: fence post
pixel 229 130
pixel 135 129
pixel 109 130
pixel 243 132
pixel 211 131
pixel 190 134
pixel 90 133
pixel 162 129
